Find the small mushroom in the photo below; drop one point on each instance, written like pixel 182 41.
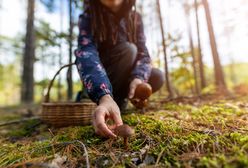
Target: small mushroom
pixel 143 91
pixel 124 131
pixel 139 104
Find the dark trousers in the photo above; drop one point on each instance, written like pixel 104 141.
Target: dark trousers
pixel 119 63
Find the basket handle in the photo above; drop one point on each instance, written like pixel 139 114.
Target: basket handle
pixel 47 96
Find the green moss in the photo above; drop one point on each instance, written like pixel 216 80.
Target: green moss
pixel 25 129
pixel 5 118
pixel 181 135
pixel 176 107
pixel 131 119
pixel 221 160
pixel 86 134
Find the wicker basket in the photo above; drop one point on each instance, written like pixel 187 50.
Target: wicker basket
pixel 62 114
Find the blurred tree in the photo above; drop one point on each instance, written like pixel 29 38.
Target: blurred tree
pixel 10 70
pixel 72 6
pixel 167 75
pixel 9 84
pixel 192 50
pixel 200 57
pixel 27 89
pixel 183 76
pixel 60 48
pixel 229 23
pixel 46 39
pixel 1 6
pixel 70 41
pixel 219 76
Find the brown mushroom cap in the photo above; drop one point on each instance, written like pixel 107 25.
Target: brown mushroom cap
pixel 143 91
pixel 124 131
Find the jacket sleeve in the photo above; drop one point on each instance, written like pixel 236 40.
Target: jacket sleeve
pixel 143 65
pixel 90 68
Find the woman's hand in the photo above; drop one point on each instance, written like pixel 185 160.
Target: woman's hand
pixel 133 86
pixel 107 109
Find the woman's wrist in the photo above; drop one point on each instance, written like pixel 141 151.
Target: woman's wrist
pixel 105 98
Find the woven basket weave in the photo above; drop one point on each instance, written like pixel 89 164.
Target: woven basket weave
pixel 63 114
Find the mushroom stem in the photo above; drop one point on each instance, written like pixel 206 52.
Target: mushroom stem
pixel 124 131
pixel 126 142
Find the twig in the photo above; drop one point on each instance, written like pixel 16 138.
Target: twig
pixel 18 121
pixel 68 143
pixel 86 153
pixel 234 127
pixel 159 156
pixel 192 129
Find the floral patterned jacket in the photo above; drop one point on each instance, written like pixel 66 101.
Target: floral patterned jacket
pixel 90 68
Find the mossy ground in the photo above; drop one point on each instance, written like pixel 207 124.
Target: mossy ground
pixel 170 134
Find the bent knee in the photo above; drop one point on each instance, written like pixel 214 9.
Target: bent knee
pixel 129 51
pixel 126 48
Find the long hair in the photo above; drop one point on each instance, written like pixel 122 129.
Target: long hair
pixel 99 23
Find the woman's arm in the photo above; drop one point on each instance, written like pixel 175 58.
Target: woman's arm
pixel 95 80
pixel 91 71
pixel 143 66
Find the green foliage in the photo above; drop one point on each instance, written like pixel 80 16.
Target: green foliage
pixel 9 84
pixel 235 77
pixel 182 76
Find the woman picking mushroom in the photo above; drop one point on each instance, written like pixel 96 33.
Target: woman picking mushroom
pixel 112 60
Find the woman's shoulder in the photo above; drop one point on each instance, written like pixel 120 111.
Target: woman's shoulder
pixel 136 13
pixel 138 17
pixel 84 19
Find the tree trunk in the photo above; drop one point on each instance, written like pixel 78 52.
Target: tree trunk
pixel 43 84
pixel 69 72
pixel 27 90
pixel 167 76
pixel 200 57
pixel 60 48
pixel 1 6
pixel 219 76
pixel 194 64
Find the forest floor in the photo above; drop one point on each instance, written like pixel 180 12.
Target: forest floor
pixel 186 132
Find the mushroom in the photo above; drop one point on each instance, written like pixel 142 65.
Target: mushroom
pixel 143 91
pixel 124 131
pixel 138 103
